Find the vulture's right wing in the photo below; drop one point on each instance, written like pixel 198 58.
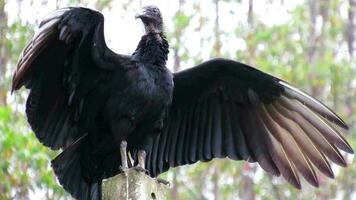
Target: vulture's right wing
pixel 65 67
pixel 222 108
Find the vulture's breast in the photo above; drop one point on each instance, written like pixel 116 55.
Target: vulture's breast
pixel 146 94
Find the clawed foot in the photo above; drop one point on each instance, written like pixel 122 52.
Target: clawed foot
pixel 122 169
pixel 162 181
pixel 140 169
pixel 141 156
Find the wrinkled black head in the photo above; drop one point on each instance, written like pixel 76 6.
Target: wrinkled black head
pixel 152 19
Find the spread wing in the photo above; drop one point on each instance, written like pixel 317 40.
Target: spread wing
pixel 64 66
pixel 223 108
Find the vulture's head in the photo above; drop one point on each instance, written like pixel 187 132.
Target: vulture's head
pixel 152 19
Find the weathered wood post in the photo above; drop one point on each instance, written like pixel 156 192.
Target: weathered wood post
pixel 133 185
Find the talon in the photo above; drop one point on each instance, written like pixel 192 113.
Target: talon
pixel 122 169
pixel 140 169
pixel 162 181
pixel 141 157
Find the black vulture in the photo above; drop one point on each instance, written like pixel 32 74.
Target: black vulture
pixel 93 104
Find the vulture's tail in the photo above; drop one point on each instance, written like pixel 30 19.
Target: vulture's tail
pixel 74 169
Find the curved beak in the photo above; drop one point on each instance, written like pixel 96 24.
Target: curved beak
pixel 141 15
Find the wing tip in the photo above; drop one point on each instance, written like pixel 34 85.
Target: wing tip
pixel 297 185
pixel 340 122
pixel 314 104
pixel 350 150
pixel 345 146
pixel 315 183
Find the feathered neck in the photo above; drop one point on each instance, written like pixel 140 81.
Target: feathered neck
pixel 153 48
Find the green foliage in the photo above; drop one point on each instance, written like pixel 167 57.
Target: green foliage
pixel 20 33
pixel 25 162
pixel 181 20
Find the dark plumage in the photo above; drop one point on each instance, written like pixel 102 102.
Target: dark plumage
pixel 88 100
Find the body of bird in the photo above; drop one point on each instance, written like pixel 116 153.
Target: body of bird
pixel 92 102
pixel 140 96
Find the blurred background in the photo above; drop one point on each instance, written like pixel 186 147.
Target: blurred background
pixel 310 43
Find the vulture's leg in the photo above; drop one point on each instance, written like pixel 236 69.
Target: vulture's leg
pixel 123 153
pixel 120 130
pixel 141 157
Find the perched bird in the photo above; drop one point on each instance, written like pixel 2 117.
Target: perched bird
pixel 93 104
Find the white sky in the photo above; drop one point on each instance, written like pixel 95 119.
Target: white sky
pixel 123 31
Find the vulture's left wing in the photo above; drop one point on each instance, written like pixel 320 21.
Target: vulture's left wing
pixel 66 66
pixel 68 69
pixel 223 108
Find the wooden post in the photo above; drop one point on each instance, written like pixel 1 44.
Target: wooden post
pixel 133 185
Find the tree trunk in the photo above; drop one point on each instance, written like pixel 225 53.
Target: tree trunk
pixel 217 44
pixel 3 53
pixel 350 30
pixel 247 182
pixel 313 11
pixel 174 192
pixel 251 46
pixel 216 188
pixel 250 18
pixel 275 190
pixel 177 35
